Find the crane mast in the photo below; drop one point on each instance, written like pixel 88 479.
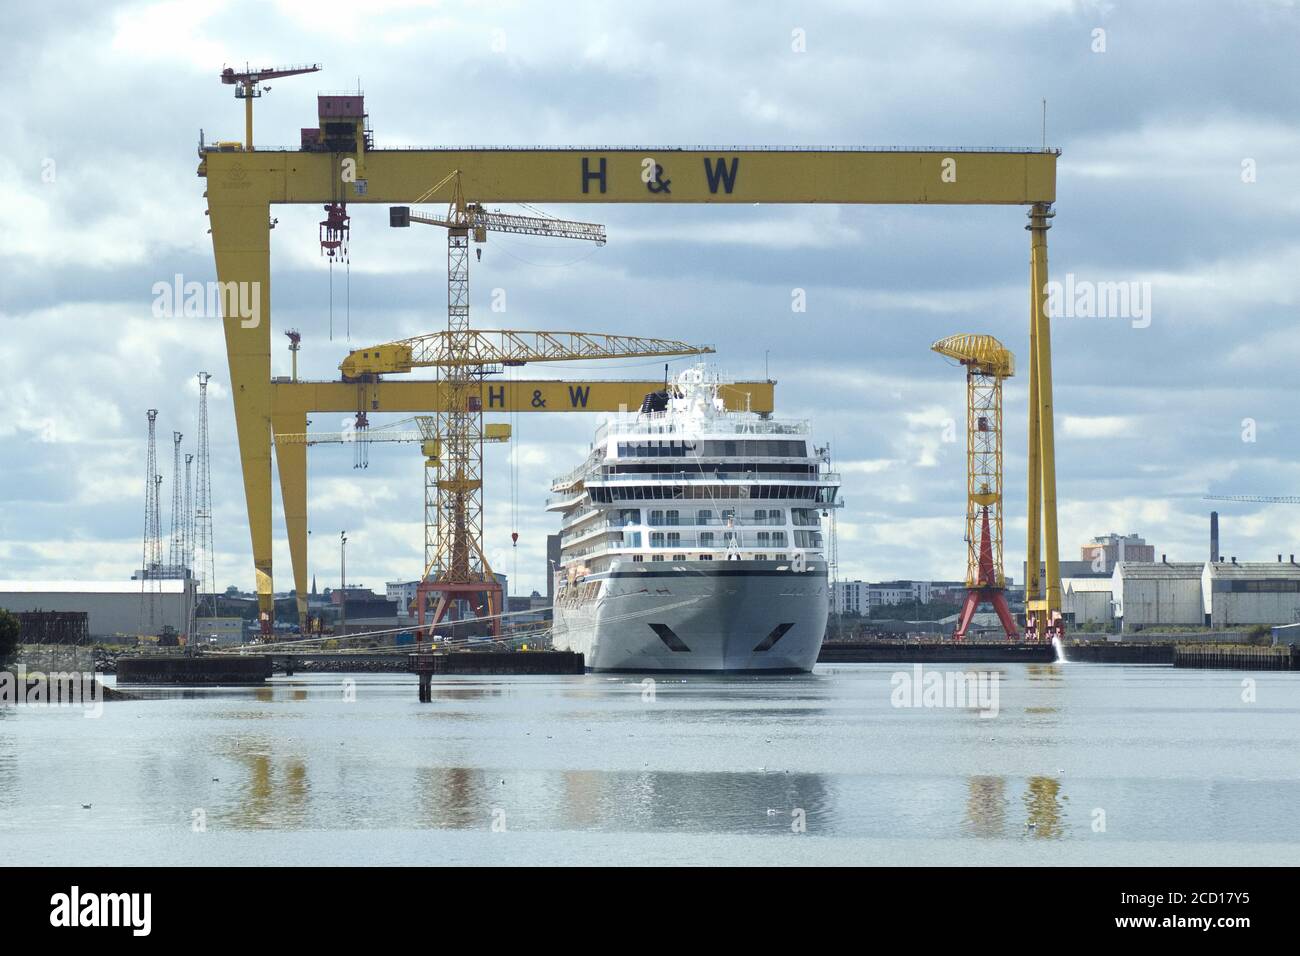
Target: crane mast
pixel 456 566
pixel 987 363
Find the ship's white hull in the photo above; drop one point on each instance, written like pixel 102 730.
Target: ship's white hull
pixel 699 616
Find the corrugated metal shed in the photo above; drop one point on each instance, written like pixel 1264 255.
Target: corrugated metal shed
pixel 113 608
pixel 1252 592
pixel 163 585
pixel 1088 599
pixel 1163 593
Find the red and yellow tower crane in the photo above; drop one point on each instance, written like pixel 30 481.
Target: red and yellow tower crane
pixel 987 363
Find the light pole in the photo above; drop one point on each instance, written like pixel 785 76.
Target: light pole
pixel 343 583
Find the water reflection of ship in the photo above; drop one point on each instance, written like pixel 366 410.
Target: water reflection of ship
pixel 986 806
pixel 694 801
pixel 622 800
pixel 456 798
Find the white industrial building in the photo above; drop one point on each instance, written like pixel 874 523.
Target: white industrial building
pixel 1089 600
pixel 114 609
pixel 900 592
pixel 1253 592
pixel 401 593
pixel 852 597
pixel 218 630
pixel 1164 593
pixel 859 597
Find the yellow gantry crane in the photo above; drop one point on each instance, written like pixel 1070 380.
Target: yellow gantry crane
pixel 987 363
pixel 242 187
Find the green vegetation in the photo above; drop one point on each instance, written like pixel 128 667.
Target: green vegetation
pixel 9 631
pixel 1260 634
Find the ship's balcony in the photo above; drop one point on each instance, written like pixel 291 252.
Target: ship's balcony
pixel 590 531
pixel 565 500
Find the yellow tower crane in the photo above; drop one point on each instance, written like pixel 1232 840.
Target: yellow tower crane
pixel 426 436
pixel 372 391
pixel 987 363
pixel 458 567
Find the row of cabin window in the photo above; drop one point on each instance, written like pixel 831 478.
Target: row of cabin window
pixel 681 557
pixel 705 539
pixel 669 517
pixel 678 492
pixel 713 449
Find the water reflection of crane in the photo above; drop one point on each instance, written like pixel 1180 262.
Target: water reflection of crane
pixel 1042 800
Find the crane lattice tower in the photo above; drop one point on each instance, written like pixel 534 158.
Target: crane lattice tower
pixel 151 560
pixel 205 560
pixel 987 363
pixel 187 526
pixel 176 543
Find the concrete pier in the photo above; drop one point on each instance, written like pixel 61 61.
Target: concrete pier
pixel 946 652
pixel 1242 657
pixel 1120 652
pixel 178 669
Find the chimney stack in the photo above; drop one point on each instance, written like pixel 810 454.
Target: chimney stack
pixel 1214 536
pixel 1164 559
pixel 1234 559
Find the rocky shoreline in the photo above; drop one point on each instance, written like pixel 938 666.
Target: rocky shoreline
pixel 34 687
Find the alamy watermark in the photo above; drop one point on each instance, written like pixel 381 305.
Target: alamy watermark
pixel 131 911
pixel 208 300
pixel 52 689
pixel 1084 299
pixel 952 689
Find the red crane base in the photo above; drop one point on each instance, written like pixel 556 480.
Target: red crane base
pixel 490 591
pixel 996 597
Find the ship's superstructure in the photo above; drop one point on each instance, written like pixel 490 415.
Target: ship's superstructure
pixel 692 538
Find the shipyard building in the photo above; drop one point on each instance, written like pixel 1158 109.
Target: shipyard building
pixel 1253 592
pixel 115 610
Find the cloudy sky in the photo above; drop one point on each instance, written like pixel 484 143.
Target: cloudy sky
pixel 1180 164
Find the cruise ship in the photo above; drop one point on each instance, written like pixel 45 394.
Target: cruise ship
pixel 692 539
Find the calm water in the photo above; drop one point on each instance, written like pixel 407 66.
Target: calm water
pixel 584 769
